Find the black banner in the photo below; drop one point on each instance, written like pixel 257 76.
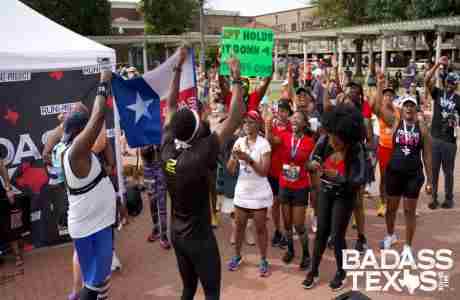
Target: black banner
pixel 28 110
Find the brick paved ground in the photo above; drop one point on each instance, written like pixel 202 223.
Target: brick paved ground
pixel 150 272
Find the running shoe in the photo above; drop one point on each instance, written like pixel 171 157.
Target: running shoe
pixel 283 242
pixel 235 263
pixel 338 282
pixel 433 204
pixel 388 241
pixel 264 268
pixel 288 257
pixel 447 205
pixel 361 244
pixel 164 243
pixel 310 280
pixel 116 264
pixel 305 263
pixel 153 237
pixel 74 296
pixel 277 236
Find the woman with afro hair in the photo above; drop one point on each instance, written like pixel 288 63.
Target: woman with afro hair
pixel 339 159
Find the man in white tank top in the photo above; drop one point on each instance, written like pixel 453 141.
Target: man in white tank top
pixel 92 198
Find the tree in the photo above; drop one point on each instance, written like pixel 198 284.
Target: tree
pixel 86 17
pixel 169 16
pixel 339 13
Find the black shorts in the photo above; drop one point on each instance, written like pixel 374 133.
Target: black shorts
pixel 405 184
pixel 293 197
pixel 275 185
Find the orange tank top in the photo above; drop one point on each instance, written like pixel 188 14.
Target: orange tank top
pixel 386 133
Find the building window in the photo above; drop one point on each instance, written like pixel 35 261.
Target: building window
pixel 304 26
pixel 276 20
pixel 294 27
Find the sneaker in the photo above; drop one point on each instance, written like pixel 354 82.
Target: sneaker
pixel 305 263
pixel 74 296
pixel 447 205
pixel 361 244
pixel 314 224
pixel 164 243
pixel 277 236
pixel 116 264
pixel 264 268
pixel 283 242
pixel 388 241
pixel 310 280
pixel 288 257
pixel 381 209
pixel 153 237
pixel 338 282
pixel 434 204
pixel 235 263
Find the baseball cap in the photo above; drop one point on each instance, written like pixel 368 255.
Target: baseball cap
pixel 254 115
pixel 73 124
pixel 406 99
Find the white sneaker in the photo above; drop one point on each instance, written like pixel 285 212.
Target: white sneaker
pixel 388 241
pixel 314 224
pixel 116 264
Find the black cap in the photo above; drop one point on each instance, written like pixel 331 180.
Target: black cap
pixel 73 124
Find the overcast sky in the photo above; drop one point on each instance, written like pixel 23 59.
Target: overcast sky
pixel 253 7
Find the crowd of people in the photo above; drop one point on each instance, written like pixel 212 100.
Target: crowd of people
pixel 317 146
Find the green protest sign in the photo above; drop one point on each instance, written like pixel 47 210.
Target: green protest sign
pixel 252 46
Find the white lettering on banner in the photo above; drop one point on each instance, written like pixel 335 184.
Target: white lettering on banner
pixel 14 76
pixel 56 108
pixel 35 216
pixel 26 140
pixel 423 270
pixel 90 70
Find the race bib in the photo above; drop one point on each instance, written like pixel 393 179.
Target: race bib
pixel 291 172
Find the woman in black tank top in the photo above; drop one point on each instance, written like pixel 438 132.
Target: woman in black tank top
pixel 404 176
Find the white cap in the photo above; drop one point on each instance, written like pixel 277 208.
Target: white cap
pixel 285 83
pixel 407 98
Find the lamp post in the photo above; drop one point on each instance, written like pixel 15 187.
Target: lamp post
pixel 203 46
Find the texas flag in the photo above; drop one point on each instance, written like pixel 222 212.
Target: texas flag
pixel 141 101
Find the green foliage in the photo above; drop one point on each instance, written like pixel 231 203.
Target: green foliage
pixel 86 17
pixel 169 16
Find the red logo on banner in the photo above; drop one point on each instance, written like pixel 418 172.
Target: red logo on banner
pixel 32 177
pixel 11 116
pixel 56 75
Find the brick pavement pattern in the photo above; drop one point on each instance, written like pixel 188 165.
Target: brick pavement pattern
pixel 149 272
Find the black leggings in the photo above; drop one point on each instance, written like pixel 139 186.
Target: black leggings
pixel 198 259
pixel 334 210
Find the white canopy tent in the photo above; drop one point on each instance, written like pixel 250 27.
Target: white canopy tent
pixel 33 43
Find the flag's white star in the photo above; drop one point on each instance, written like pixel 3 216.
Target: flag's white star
pixel 141 108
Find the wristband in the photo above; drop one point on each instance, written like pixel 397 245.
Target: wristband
pixel 103 89
pixel 237 81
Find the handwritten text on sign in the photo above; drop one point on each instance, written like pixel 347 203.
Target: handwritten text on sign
pixel 253 47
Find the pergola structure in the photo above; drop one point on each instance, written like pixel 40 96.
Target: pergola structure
pixel 370 33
